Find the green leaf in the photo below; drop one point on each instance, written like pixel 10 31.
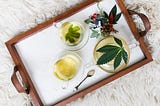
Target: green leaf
pixel 107 57
pixel 67 37
pixel 114 10
pixel 107 48
pixel 125 56
pixel 94 34
pixel 119 42
pixel 70 28
pixel 106 15
pixel 118 60
pixel 72 34
pixel 76 35
pixel 104 59
pixel 117 17
pixel 87 21
pixel 75 29
pixel 71 40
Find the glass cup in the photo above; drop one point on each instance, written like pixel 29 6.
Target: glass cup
pixel 109 67
pixel 79 42
pixel 61 66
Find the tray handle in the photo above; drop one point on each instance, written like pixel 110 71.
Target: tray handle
pixel 145 20
pixel 21 87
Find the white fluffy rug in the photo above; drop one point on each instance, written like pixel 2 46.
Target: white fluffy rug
pixel 138 88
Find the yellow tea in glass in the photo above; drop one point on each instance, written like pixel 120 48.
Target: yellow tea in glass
pixel 67 67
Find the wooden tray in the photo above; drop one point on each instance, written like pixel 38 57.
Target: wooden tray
pixel 32 52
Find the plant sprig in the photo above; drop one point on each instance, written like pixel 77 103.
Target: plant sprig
pixel 73 34
pixel 113 53
pixel 103 21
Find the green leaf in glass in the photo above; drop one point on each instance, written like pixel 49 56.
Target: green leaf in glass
pixel 125 56
pixel 119 42
pixel 107 57
pixel 117 60
pixel 107 48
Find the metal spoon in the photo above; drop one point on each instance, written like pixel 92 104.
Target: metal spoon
pixel 89 74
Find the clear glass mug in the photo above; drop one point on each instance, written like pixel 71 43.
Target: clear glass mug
pixel 84 36
pixel 62 84
pixel 109 40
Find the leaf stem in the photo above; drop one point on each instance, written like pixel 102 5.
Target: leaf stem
pixel 100 9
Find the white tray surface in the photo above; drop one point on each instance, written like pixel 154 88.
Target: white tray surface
pixel 37 52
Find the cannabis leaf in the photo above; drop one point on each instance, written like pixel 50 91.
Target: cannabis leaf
pixel 119 42
pixel 124 56
pixel 117 60
pixel 73 34
pixel 107 48
pixel 107 56
pixel 112 52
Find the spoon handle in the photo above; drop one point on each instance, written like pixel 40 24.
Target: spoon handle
pixel 81 82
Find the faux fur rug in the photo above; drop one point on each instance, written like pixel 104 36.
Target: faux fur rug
pixel 138 88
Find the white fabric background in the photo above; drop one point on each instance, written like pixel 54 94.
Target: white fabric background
pixel 138 88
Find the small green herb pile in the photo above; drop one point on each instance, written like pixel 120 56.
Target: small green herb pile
pixel 111 52
pixel 73 34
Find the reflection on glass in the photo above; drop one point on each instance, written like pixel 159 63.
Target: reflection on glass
pixel 66 67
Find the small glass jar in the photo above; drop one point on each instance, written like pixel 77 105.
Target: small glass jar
pixel 79 42
pixel 73 59
pixel 109 67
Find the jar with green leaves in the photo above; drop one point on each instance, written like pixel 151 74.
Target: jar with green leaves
pixel 71 33
pixel 111 53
